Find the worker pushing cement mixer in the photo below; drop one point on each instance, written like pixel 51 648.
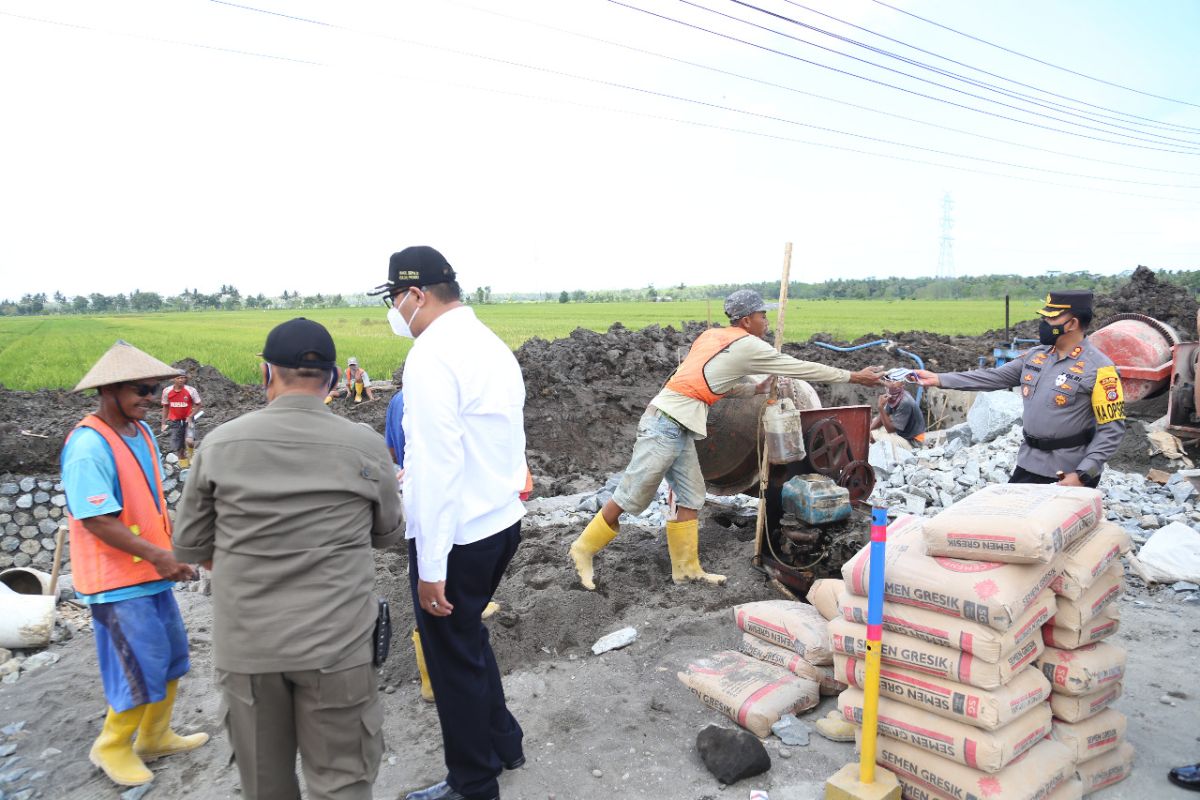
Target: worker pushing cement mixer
pixel 718 365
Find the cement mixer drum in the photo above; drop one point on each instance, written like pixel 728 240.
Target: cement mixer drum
pixel 1138 341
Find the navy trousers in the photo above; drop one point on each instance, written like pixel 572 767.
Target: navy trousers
pixel 1022 475
pixel 479 734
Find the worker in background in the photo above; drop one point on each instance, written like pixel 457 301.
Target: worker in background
pixel 718 365
pixel 355 384
pixel 179 403
pixel 393 429
pixel 288 534
pixel 899 417
pixel 123 567
pixel 1074 415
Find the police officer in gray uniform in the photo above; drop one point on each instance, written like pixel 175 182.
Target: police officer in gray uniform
pixel 1074 405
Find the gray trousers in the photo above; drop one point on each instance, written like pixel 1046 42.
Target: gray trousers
pixel 334 719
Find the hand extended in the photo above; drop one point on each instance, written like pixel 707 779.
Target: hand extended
pixel 1070 479
pixel 868 376
pixel 172 570
pixel 432 597
pixel 927 378
pixel 764 386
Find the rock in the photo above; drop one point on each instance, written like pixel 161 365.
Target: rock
pixel 41 497
pixel 7 750
pixel 29 532
pixel 21 560
pixel 1148 521
pixel 886 456
pixel 5 655
pixel 731 755
pixel 791 731
pixel 172 458
pixel 13 729
pixel 40 512
pixel 47 526
pixel 9 543
pixel 31 546
pixel 45 486
pixel 25 501
pixel 1158 476
pixel 597 773
pixel 1179 586
pixel 7 504
pixel 1166 700
pixel 138 792
pixel 615 640
pixel 992 414
pixel 1182 490
pixel 28 484
pixel 59 500
pixel 39 660
pixel 174 496
pixel 14 775
pixel 9 489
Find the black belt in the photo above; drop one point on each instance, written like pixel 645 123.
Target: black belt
pixel 1077 440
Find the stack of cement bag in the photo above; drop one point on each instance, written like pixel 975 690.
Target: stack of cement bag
pixel 964 710
pixel 782 667
pixel 1086 672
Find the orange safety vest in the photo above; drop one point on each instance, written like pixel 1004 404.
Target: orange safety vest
pixel 348 382
pixel 688 378
pixel 97 566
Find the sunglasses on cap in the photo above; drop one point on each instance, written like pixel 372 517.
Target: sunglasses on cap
pixel 143 389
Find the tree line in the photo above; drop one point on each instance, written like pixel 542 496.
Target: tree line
pixel 983 287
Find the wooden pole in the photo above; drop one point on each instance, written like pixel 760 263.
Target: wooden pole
pixel 58 548
pixel 764 466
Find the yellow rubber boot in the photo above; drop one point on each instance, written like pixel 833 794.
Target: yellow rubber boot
pixel 426 686
pixel 683 543
pixel 358 392
pixel 593 539
pixel 155 738
pixel 113 750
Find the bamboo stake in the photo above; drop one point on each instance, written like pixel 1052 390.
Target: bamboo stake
pixel 764 466
pixel 58 548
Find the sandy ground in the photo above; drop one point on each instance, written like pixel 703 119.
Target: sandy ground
pixel 623 713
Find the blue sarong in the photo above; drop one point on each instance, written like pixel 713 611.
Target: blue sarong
pixel 142 646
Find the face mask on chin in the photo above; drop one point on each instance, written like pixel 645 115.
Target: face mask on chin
pixel 401 326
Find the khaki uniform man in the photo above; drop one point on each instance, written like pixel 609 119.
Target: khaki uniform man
pixel 1074 416
pixel 288 532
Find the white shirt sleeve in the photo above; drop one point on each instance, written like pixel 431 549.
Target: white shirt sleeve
pixel 195 395
pixel 434 462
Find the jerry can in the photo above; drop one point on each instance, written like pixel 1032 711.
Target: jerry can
pixel 816 500
pixel 782 432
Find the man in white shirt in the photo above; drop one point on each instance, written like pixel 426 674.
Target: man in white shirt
pixel 464 467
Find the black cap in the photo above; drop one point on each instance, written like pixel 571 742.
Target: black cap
pixel 298 343
pixel 1077 301
pixel 416 266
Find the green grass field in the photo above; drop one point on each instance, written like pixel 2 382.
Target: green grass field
pixel 48 352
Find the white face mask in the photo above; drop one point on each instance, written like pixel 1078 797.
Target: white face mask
pixel 401 326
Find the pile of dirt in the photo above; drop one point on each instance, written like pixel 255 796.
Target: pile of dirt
pixel 1146 294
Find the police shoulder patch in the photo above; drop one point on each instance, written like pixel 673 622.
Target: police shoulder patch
pixel 1108 396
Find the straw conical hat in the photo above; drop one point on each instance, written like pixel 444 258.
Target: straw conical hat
pixel 124 362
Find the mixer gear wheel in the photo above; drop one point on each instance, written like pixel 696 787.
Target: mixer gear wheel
pixel 828 447
pixel 859 478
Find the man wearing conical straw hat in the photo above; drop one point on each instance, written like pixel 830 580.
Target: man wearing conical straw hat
pixel 122 564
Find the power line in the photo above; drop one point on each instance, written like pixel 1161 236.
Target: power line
pixel 795 90
pixel 715 106
pixel 1016 95
pixel 917 77
pixel 878 82
pixel 1035 59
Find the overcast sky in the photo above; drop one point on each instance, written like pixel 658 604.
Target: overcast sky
pixel 548 144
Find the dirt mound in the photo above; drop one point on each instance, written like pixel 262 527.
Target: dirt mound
pixel 1146 294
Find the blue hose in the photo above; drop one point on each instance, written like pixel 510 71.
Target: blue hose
pixel 878 343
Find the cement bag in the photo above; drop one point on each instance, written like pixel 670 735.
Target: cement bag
pixel 1082 563
pixel 1093 736
pixel 981 641
pixel 1112 767
pixel 979 708
pixel 1083 671
pixel 1070 789
pixel 990 593
pixel 1017 523
pixel 774 654
pixel 1075 614
pixel 1031 777
pixel 1095 630
pixel 823 595
pixel 752 694
pixel 989 751
pixel 788 623
pixel 933 659
pixel 1075 709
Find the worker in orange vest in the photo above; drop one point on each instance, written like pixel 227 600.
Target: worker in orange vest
pixel 122 564
pixel 718 365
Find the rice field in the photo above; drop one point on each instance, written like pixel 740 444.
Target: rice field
pixel 55 351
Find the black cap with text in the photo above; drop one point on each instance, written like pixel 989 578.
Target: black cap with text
pixel 420 265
